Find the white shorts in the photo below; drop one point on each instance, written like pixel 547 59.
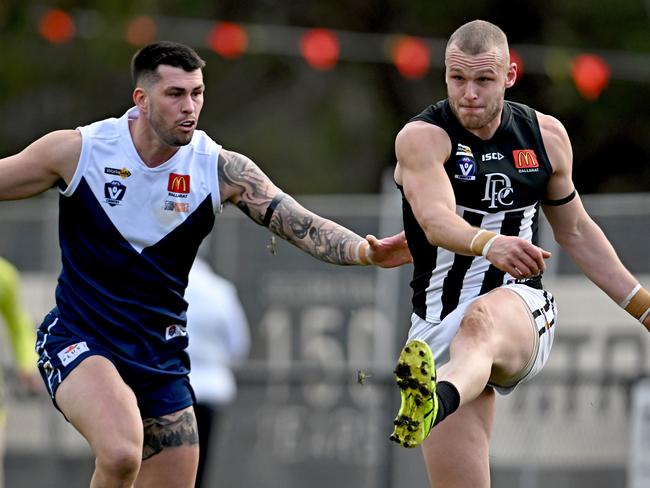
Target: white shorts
pixel 543 312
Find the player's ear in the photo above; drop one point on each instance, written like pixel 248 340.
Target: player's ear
pixel 140 98
pixel 511 75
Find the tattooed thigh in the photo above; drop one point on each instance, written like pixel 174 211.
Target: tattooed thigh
pixel 173 430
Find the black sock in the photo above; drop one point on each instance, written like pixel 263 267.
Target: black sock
pixel 448 400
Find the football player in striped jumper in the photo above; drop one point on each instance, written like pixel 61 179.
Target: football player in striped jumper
pixel 138 193
pixel 474 171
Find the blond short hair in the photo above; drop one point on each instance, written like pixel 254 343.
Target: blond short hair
pixel 478 36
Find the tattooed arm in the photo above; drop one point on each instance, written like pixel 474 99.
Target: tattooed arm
pixel 242 183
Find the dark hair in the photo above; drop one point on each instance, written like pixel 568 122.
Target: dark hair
pixel 146 60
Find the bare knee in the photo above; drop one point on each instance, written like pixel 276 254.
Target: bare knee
pixel 120 462
pixel 477 325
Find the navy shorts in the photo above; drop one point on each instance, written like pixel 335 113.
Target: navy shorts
pixel 60 351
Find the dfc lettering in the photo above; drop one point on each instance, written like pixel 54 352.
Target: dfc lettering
pixel 498 190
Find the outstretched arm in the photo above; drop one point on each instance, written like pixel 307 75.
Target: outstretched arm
pixel 577 233
pixel 40 165
pixel 242 183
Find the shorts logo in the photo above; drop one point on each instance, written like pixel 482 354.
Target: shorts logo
pixel 114 192
pixel 525 160
pixel 175 331
pixel 123 173
pixel 72 352
pixel 179 183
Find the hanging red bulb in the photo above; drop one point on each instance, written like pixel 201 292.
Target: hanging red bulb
pixel 228 39
pixel 56 26
pixel 411 57
pixel 320 48
pixel 590 74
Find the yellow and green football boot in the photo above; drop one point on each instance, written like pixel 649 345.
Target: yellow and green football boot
pixel 416 377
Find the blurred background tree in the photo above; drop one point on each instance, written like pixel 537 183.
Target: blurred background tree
pixel 332 130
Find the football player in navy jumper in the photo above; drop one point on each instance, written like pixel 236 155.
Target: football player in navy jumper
pixel 138 194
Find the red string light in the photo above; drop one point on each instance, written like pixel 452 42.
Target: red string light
pixel 590 73
pixel 411 57
pixel 320 48
pixel 56 26
pixel 228 40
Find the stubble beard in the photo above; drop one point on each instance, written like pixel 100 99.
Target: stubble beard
pixel 167 135
pixel 475 122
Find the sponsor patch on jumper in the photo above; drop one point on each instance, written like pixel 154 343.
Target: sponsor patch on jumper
pixel 72 352
pixel 176 206
pixel 525 160
pixel 495 156
pixel 175 331
pixel 464 150
pixel 178 184
pixel 122 173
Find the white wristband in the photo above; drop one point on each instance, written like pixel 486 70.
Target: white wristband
pixel 488 245
pixel 644 315
pixel 370 261
pixel 357 254
pixel 626 301
pixel 357 257
pixel 471 244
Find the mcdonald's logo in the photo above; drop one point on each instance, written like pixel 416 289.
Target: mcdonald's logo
pixel 525 159
pixel 178 183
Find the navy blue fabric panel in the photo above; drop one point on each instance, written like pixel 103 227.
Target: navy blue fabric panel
pixel 124 298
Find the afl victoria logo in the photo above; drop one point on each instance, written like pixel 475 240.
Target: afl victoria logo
pixel 465 169
pixel 114 192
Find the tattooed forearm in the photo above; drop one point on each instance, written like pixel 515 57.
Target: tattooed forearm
pixel 319 237
pixel 172 430
pixel 242 182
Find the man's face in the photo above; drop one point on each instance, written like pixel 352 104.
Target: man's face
pixel 476 85
pixel 174 104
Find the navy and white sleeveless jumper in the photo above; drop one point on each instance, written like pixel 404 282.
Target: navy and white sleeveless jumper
pixel 129 234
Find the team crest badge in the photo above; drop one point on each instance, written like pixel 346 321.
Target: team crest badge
pixel 465 163
pixel 114 192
